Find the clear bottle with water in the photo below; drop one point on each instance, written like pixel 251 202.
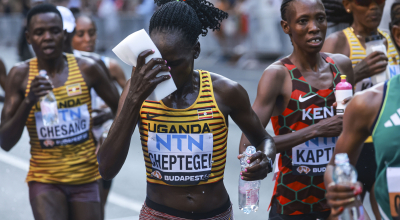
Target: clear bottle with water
pixel 248 190
pixel 48 105
pixel 345 174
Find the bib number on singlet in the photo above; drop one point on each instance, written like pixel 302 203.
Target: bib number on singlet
pixel 393 179
pixel 180 159
pixel 73 127
pixel 311 157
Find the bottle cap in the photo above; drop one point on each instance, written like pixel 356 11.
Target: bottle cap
pixel 343 76
pixel 42 73
pixel 373 38
pixel 250 150
pixel 341 158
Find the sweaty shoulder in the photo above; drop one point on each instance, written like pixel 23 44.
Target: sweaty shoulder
pixel 87 65
pixel 366 104
pixel 222 84
pixel 18 76
pixel 276 72
pixel 336 43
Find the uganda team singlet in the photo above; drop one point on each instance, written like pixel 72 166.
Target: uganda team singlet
pixel 299 187
pixel 183 147
pixel 63 153
pixel 358 53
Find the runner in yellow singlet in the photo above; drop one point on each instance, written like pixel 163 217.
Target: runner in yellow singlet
pixel 184 135
pixel 63 167
pixel 364 17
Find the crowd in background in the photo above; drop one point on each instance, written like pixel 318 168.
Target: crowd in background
pixel 241 40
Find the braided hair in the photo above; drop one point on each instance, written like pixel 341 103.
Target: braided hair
pixel 191 17
pixel 284 6
pixel 336 13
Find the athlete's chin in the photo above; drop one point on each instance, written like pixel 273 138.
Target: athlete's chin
pixel 313 49
pixel 50 56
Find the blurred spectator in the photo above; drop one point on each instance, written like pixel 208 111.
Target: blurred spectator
pixel 146 9
pixel 108 12
pixel 6 7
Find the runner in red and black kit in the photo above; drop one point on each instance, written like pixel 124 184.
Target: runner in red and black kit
pixel 297 94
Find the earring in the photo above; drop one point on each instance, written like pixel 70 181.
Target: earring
pixel 348 10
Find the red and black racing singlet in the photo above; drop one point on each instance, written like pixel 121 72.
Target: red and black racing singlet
pixel 299 187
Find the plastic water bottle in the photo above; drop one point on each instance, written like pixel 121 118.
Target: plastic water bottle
pixel 248 190
pixel 106 128
pixel 343 91
pixel 345 174
pixel 373 43
pixel 48 105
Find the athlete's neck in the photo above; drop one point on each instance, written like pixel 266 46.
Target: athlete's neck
pixel 188 87
pixel 68 49
pixel 362 31
pixel 305 61
pixel 51 66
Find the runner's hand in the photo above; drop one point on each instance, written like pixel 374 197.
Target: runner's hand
pixel 144 76
pixel 344 102
pixel 259 170
pixel 373 64
pixel 339 196
pixel 330 127
pixel 101 117
pixel 40 86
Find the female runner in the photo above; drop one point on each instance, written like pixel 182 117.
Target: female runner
pixel 184 136
pixel 297 94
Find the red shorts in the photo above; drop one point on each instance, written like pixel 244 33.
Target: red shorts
pixel 88 192
pixel 148 213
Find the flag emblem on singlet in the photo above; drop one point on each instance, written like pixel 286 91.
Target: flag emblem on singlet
pixel 205 113
pixel 74 89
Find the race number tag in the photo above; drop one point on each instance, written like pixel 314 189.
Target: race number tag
pixel 393 179
pixel 180 159
pixel 73 127
pixel 311 157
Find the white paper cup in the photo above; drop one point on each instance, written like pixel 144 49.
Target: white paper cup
pixel 128 51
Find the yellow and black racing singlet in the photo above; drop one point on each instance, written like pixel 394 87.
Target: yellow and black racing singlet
pixel 184 147
pixel 358 53
pixel 63 153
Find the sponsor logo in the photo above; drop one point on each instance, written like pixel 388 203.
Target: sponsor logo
pixel 304 169
pixel 156 174
pixel 394 120
pixel 48 143
pixel 205 113
pixel 318 113
pixel 302 99
pixel 319 170
pixel 149 117
pixel 74 89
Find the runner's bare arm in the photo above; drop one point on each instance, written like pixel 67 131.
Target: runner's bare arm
pixel 117 73
pixel 336 43
pixel 16 106
pixel 97 78
pixel 345 67
pixel 358 119
pixel 235 98
pixel 270 87
pixel 3 75
pixel 113 152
